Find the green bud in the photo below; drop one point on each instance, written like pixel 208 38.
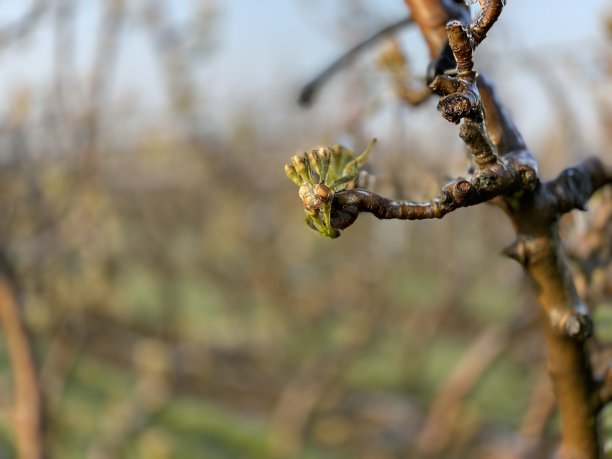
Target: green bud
pixel 293 175
pixel 354 165
pixel 342 182
pixel 335 161
pixel 301 166
pixel 313 159
pixel 324 156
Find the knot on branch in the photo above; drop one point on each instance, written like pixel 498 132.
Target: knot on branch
pixel 527 168
pixel 459 98
pixel 517 251
pixel 528 251
pixel 571 323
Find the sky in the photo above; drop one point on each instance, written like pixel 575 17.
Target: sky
pixel 261 37
pixel 267 47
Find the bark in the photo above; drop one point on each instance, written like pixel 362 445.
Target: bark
pixel 505 173
pixel 508 172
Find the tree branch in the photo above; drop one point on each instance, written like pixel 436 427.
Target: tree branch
pixel 27 416
pixel 483 186
pixel 310 90
pixel 25 25
pixel 507 170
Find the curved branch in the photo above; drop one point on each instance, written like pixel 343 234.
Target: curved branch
pixel 444 412
pixel 501 128
pixel 485 185
pixel 540 410
pixel 28 406
pixel 574 186
pixel 491 10
pixel 310 90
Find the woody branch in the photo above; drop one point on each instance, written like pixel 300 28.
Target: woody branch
pixel 506 173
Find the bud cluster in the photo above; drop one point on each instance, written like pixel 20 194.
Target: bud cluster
pixel 321 173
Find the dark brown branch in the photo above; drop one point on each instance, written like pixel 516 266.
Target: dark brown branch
pixel 501 129
pixel 482 187
pixel 574 186
pixel 310 90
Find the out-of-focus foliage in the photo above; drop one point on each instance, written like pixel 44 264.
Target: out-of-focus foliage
pixel 180 309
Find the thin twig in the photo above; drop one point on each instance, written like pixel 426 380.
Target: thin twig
pixel 465 376
pixel 310 90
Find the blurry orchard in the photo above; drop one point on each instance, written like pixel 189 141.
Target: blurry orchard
pixel 178 306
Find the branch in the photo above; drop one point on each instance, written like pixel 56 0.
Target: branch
pixel 501 129
pixel 393 60
pixel 310 90
pixel 25 25
pixel 491 10
pixel 445 410
pixel 495 177
pixel 28 406
pixel 431 17
pixel 603 395
pixel 574 186
pixel 482 187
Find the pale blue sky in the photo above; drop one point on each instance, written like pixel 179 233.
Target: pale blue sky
pixel 265 45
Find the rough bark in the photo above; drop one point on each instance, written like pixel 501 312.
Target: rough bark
pixel 507 171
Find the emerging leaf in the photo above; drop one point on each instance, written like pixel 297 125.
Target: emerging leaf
pixel 321 173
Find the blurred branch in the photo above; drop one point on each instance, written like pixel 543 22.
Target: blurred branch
pixel 466 375
pixel 64 40
pixel 538 415
pixel 310 90
pixel 468 372
pixel 394 61
pixel 295 405
pixel 27 397
pixel 170 42
pixel 151 393
pixel 25 25
pixel 105 58
pixel 300 397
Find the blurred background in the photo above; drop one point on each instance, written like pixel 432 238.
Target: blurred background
pixel 176 304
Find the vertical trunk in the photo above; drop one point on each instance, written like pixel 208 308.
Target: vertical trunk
pixel 568 362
